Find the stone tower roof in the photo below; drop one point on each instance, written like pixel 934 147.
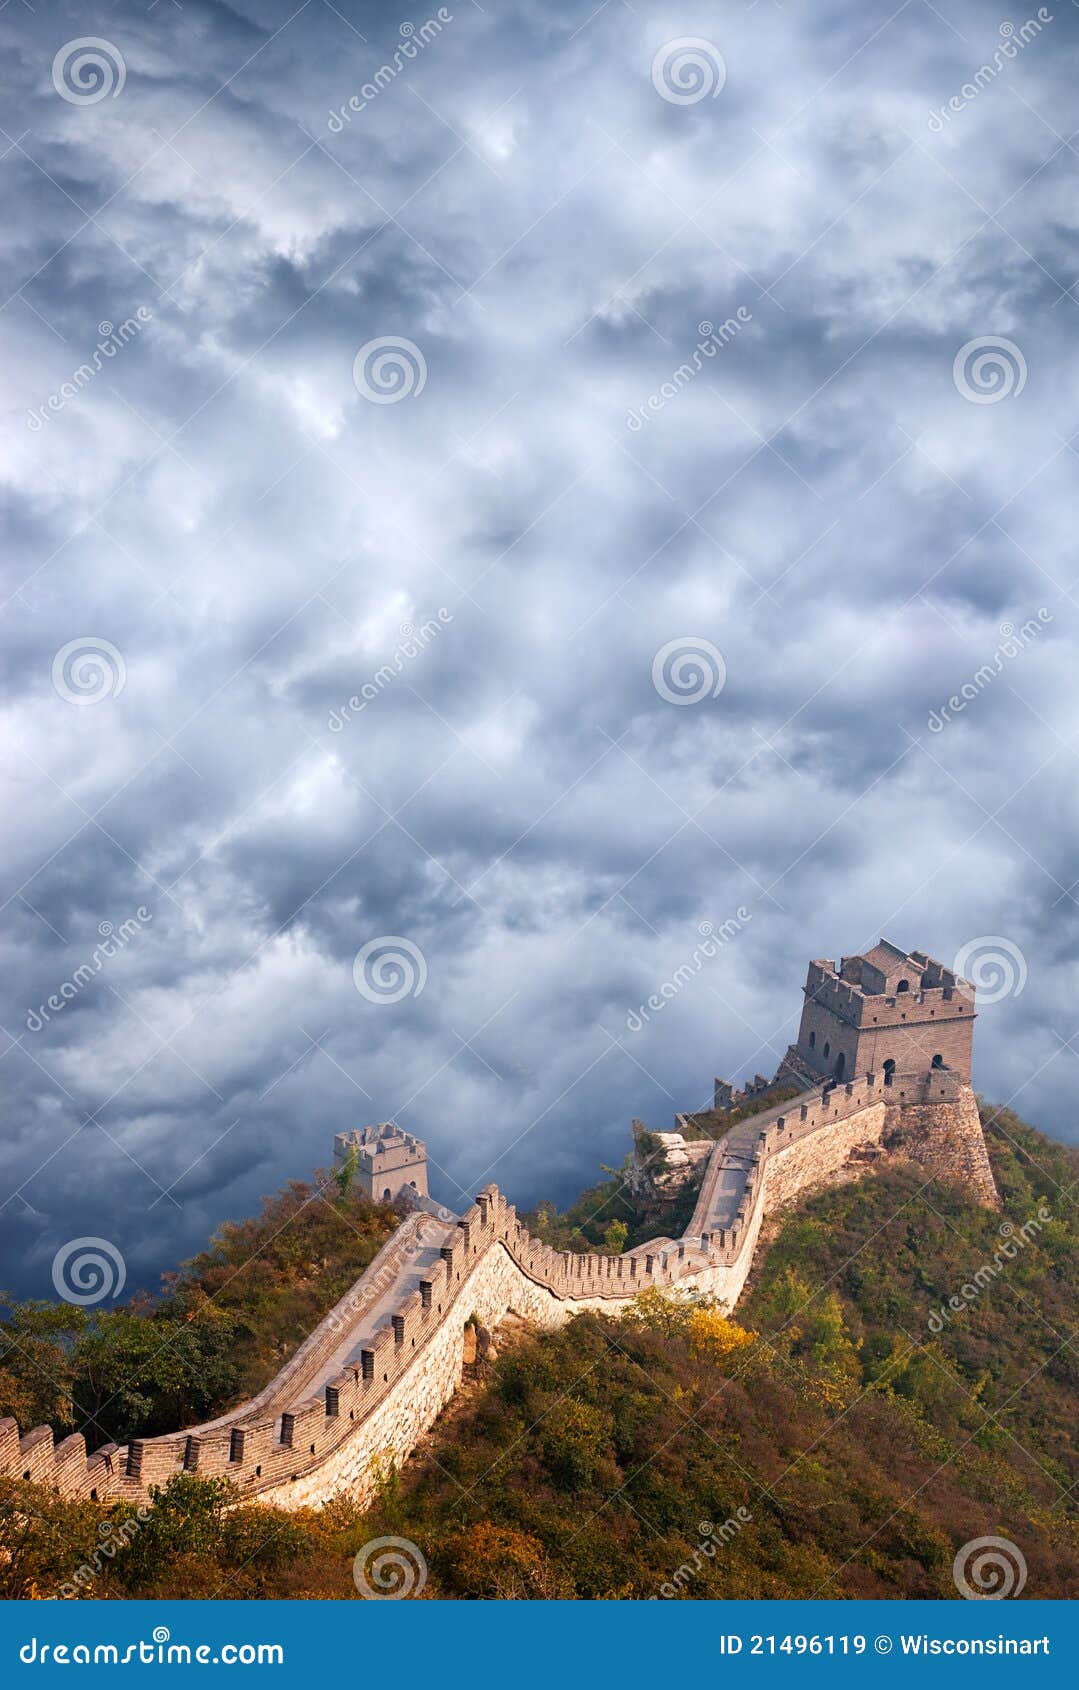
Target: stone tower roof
pixel 885 970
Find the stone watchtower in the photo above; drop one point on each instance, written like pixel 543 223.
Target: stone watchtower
pixel 389 1162
pixel 887 1012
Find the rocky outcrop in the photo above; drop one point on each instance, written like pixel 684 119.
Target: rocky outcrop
pixel 663 1164
pixel 946 1138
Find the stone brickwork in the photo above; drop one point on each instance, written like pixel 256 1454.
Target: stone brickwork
pixel 947 1138
pixel 885 1011
pixel 389 1163
pixel 377 1371
pixel 307 1436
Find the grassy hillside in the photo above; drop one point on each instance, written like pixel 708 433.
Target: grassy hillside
pixel 222 1328
pixel 902 1378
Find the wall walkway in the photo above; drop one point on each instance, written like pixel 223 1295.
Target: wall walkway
pixel 377 1371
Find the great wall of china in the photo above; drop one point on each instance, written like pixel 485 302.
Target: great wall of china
pixel 380 1367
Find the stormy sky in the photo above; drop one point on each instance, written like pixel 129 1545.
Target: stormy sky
pixel 720 427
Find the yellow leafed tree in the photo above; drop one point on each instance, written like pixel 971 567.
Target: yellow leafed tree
pixel 712 1337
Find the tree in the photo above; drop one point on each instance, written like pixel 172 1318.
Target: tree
pixel 43 1539
pixel 667 1312
pixel 490 1560
pixel 138 1375
pixel 346 1173
pixel 615 1237
pixel 712 1337
pixel 36 1371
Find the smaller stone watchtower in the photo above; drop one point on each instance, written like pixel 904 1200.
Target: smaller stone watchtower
pixel 389 1162
pixel 887 1012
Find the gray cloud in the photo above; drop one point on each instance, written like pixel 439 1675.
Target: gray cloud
pixel 260 542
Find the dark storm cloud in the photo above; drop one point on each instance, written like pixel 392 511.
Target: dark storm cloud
pixel 261 544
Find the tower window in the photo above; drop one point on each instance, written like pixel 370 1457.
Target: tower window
pixel 903 986
pixel 827 1048
pixel 812 1041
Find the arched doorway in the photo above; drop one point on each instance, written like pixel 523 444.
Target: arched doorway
pixel 938 1061
pixel 840 1065
pixel 889 1071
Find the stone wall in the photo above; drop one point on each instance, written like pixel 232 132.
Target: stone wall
pixel 294 1445
pixel 946 1138
pixel 910 1028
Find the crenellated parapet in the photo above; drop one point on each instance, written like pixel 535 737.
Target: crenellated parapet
pixel 377 1370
